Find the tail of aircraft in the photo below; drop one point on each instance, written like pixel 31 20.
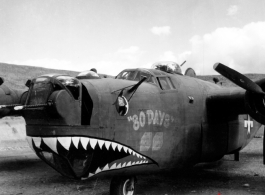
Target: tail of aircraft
pixel 254 97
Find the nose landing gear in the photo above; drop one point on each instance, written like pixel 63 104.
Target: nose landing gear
pixel 122 185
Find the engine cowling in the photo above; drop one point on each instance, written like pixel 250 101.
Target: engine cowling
pixel 255 103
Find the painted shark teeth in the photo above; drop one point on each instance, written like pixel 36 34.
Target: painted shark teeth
pixel 85 141
pixel 64 144
pixel 125 149
pixel 119 147
pixel 107 144
pixel 115 166
pixel 106 168
pixel 120 165
pixel 113 144
pixel 51 142
pixel 37 141
pixel 75 141
pixel 100 143
pixel 98 170
pixel 93 143
pixel 90 175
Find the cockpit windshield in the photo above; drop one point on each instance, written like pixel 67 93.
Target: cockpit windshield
pixel 149 78
pixel 136 76
pixel 126 75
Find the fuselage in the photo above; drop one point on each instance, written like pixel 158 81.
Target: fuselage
pixel 169 124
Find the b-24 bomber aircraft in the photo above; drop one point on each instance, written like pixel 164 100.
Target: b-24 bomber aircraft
pixel 144 120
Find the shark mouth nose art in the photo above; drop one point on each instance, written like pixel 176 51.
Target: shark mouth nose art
pixel 84 157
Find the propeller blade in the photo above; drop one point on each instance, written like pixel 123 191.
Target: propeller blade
pixel 238 78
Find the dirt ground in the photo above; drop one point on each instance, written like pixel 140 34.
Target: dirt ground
pixel 21 172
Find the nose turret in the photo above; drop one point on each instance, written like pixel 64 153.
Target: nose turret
pixel 60 97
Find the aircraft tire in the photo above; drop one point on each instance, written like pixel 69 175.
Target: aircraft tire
pixel 122 186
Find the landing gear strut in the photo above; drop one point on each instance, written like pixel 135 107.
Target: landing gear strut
pixel 236 156
pixel 123 185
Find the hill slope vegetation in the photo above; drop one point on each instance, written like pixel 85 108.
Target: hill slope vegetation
pixel 15 76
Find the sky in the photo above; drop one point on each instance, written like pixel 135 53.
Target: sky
pixel 111 35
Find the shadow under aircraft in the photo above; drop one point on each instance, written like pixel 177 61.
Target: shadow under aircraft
pixel 144 120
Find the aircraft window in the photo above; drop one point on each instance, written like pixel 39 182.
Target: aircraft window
pixel 165 83
pixel 140 75
pixel 71 83
pixel 153 80
pixel 171 84
pixel 127 75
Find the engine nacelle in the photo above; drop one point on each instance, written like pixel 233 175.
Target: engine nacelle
pixel 10 97
pixel 255 103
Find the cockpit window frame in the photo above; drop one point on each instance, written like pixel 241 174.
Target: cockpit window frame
pixel 132 72
pixel 152 78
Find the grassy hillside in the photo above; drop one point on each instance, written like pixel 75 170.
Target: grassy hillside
pixel 16 76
